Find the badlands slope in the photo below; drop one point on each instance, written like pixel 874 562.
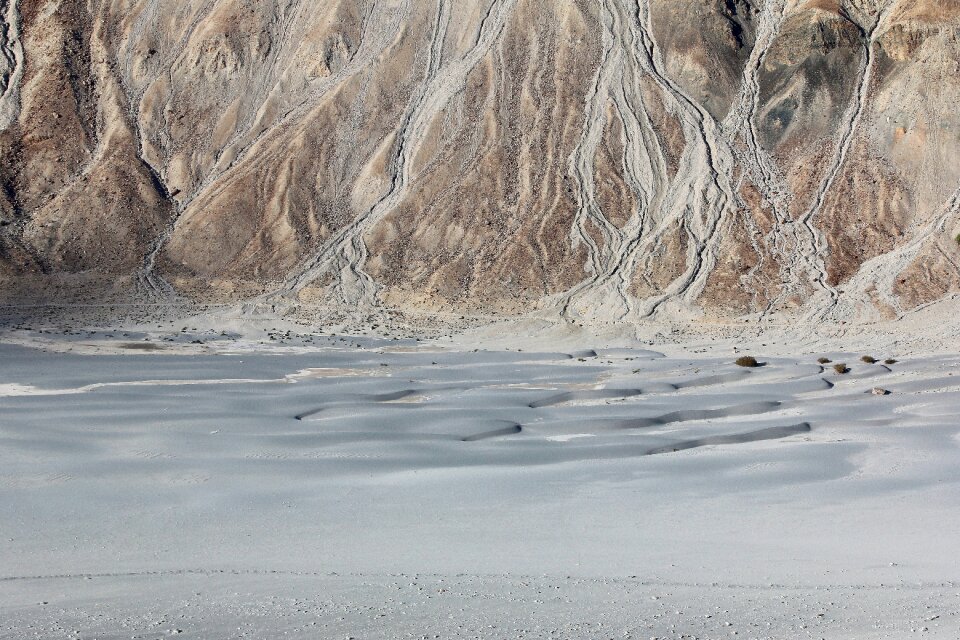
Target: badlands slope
pixel 600 159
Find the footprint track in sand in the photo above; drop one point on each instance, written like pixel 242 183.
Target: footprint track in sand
pixel 34 481
pixel 153 455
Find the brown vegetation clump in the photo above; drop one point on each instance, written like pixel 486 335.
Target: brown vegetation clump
pixel 868 359
pixel 823 360
pixel 747 361
pixel 889 361
pixel 841 368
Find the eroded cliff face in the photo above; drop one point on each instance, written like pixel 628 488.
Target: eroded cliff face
pixel 607 159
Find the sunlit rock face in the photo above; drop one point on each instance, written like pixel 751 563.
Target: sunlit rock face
pixel 605 159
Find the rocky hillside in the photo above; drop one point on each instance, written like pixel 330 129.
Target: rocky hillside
pixel 598 158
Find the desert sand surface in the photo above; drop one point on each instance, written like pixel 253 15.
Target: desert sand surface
pixel 419 318
pixel 225 485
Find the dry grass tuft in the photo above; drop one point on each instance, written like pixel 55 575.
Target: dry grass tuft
pixel 823 360
pixel 868 359
pixel 841 368
pixel 747 361
pixel 889 361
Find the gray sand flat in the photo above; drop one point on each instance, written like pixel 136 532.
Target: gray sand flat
pixel 378 493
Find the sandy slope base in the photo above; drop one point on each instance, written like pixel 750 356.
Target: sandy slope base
pixel 393 489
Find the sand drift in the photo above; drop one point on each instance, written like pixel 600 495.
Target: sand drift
pixel 513 408
pixel 136 480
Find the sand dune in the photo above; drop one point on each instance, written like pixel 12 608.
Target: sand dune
pixel 232 474
pixel 594 394
pixel 772 433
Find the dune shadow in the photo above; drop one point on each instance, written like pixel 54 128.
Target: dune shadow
pixel 591 394
pixel 709 381
pixel 360 400
pixel 689 415
pixel 772 433
pixel 510 430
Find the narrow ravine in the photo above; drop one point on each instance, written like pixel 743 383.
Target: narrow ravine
pixel 698 195
pixel 879 275
pixel 740 129
pixel 11 62
pixel 344 254
pixel 811 243
pixel 257 127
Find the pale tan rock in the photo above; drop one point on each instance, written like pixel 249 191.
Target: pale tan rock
pixel 597 158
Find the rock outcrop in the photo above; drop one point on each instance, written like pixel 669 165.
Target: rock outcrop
pixel 605 159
